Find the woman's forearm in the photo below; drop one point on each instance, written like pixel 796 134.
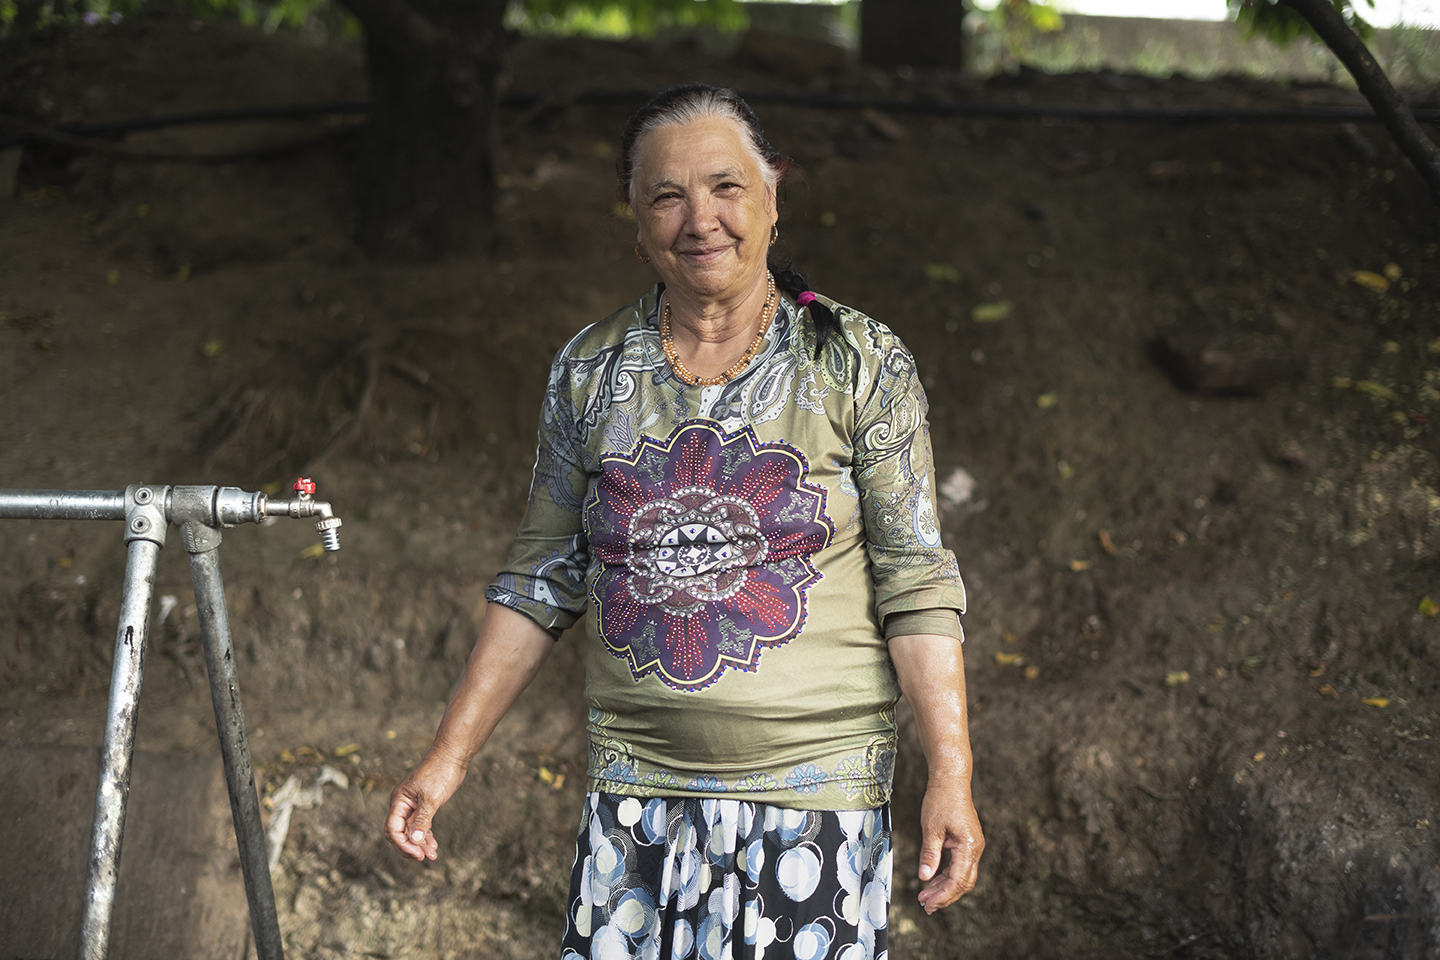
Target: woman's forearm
pixel 932 676
pixel 931 669
pixel 507 655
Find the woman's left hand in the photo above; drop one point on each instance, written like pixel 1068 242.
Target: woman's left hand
pixel 931 669
pixel 948 822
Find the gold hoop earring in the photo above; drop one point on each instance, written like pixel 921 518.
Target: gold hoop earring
pixel 641 255
pixel 774 233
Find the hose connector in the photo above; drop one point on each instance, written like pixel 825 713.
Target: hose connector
pixel 329 529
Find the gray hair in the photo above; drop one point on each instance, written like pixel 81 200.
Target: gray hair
pixel 689 102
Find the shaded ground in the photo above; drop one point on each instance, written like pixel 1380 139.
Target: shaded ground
pixel 1268 554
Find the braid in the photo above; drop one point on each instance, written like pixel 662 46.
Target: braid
pixel 793 282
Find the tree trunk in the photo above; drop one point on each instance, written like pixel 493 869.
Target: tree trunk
pixel 1331 27
pixel 426 170
pixel 916 33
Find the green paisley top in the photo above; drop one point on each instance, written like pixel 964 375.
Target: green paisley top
pixel 745 551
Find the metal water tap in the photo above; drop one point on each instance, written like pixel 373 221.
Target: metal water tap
pixel 304 505
pixel 202 513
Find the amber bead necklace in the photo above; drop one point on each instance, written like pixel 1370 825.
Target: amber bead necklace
pixel 667 342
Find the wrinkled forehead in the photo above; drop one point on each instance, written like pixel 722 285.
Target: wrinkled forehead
pixel 700 147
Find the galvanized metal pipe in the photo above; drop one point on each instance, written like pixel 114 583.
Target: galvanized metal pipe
pixel 234 747
pixel 201 511
pixel 118 749
pixel 62 505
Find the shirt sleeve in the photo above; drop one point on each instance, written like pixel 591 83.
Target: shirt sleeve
pixel 544 574
pixel 917 581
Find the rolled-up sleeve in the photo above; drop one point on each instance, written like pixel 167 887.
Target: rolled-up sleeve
pixel 544 574
pixel 917 581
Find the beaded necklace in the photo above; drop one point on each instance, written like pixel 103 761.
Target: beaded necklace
pixel 667 343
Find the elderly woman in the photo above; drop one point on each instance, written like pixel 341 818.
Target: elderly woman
pixel 734 474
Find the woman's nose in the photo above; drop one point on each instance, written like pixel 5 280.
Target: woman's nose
pixel 703 217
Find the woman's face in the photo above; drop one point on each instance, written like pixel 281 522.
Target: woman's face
pixel 703 208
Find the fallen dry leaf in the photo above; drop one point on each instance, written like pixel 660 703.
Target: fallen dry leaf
pixel 1329 691
pixel 1163 170
pixel 1377 390
pixel 990 312
pixel 1176 677
pixel 1381 702
pixel 1106 543
pixel 1009 659
pixel 1369 280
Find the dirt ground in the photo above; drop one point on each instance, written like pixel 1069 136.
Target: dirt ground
pixel 1202 664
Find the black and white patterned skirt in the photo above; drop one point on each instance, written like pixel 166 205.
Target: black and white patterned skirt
pixel 676 878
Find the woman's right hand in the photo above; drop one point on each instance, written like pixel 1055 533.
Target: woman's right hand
pixel 507 655
pixel 414 803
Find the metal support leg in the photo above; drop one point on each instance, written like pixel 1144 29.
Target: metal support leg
pixel 201 511
pixel 203 543
pixel 119 748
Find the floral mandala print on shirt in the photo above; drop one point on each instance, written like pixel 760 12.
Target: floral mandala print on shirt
pixel 705 542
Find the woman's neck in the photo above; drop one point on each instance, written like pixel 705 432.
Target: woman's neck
pixel 696 324
pixel 715 338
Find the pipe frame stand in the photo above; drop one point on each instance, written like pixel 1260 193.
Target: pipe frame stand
pixel 201 512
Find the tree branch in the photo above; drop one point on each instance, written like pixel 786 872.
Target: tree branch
pixel 1331 27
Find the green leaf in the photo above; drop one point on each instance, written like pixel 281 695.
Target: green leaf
pixel 1281 25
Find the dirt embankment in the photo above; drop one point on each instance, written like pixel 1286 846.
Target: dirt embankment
pixel 1202 672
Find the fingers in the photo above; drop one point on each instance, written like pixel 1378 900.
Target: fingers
pixel 948 822
pixel 408 825
pixel 958 880
pixel 930 855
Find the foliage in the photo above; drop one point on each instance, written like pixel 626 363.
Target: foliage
pixel 1004 33
pixel 606 18
pixel 1411 57
pixel 622 18
pixel 323 16
pixel 1281 25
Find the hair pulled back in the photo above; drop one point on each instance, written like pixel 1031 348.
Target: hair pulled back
pixel 691 101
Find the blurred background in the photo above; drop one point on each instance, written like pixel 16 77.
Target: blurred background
pixel 1173 297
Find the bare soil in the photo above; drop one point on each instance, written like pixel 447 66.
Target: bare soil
pixel 1202 669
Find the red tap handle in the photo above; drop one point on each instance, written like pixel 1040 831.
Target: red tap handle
pixel 305 486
